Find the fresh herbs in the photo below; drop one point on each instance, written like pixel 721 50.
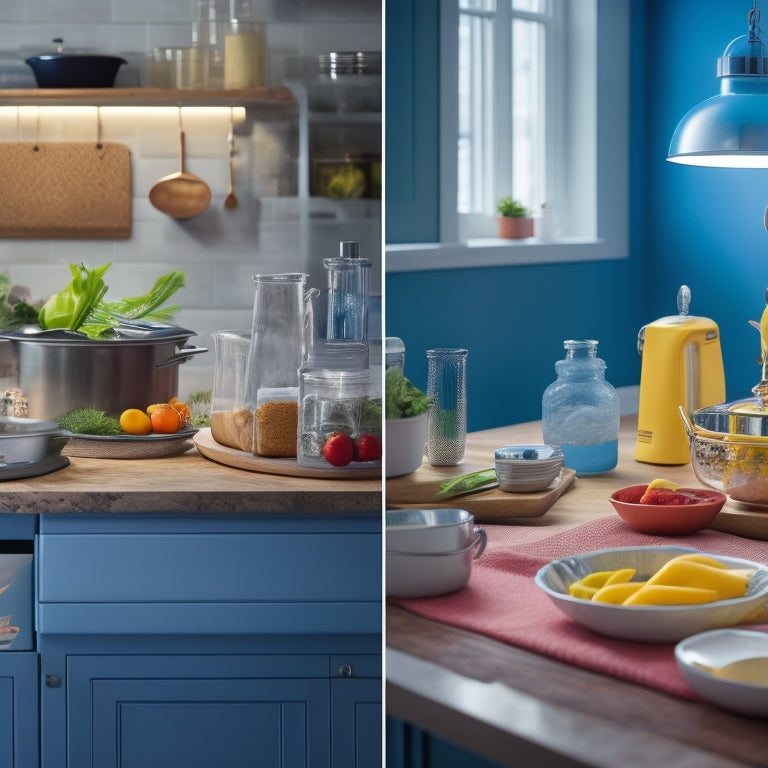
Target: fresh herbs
pixel 16 313
pixel 89 421
pixel 80 306
pixel 69 308
pixel 402 397
pixel 481 480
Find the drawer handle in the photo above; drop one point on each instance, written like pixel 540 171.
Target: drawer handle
pixel 53 681
pixel 345 670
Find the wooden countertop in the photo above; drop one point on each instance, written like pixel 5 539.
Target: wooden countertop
pixel 519 708
pixel 185 483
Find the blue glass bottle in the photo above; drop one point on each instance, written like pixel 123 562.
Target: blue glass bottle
pixel 580 411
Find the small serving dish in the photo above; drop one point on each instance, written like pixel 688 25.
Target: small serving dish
pixel 647 623
pixel 527 468
pixel 702 659
pixel 667 519
pixel 428 574
pixel 429 530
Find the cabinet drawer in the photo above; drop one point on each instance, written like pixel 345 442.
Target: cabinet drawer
pixel 209 568
pixel 205 583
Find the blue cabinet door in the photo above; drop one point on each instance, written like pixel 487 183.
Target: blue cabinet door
pixel 18 710
pixel 196 712
pixel 356 723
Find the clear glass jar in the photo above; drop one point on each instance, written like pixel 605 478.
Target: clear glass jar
pixel 335 403
pixel 245 49
pixel 580 411
pixel 447 415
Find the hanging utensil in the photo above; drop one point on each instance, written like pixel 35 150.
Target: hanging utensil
pixel 231 200
pixel 181 195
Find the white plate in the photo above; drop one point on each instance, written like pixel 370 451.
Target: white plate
pixel 717 648
pixel 649 623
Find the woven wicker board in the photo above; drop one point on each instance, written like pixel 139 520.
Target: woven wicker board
pixel 65 190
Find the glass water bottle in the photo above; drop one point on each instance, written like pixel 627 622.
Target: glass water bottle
pixel 580 411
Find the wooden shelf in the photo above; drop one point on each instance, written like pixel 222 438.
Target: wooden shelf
pixel 147 97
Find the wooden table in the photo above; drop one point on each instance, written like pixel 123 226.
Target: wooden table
pixel 522 709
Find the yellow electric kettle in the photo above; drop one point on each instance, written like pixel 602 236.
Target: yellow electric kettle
pixel 682 364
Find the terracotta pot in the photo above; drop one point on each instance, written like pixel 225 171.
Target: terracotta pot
pixel 515 227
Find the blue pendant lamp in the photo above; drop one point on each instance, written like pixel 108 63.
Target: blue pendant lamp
pixel 730 130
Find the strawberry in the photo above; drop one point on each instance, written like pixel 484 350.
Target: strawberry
pixel 338 449
pixel 367 447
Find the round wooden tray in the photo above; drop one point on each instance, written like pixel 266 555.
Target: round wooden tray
pixel 223 454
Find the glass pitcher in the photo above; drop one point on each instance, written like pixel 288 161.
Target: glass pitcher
pixel 231 420
pixel 280 330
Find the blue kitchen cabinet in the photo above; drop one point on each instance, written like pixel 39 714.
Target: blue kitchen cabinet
pixel 18 709
pixel 210 640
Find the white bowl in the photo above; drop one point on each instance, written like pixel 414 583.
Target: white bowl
pixel 646 623
pixel 429 530
pixel 410 574
pixel 404 440
pixel 715 649
pixel 527 468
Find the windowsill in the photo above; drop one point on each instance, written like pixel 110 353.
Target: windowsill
pixel 493 252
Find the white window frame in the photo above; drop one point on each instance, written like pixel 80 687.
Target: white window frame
pixel 611 160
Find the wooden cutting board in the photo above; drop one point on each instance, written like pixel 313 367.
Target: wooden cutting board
pixel 65 190
pixel 417 489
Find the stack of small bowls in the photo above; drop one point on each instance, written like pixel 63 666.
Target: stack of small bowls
pixel 527 468
pixel 430 551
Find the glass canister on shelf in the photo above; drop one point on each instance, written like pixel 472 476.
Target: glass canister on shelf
pixel 339 420
pixel 580 410
pixel 348 293
pixel 231 420
pixel 276 353
pixel 245 48
pixel 447 415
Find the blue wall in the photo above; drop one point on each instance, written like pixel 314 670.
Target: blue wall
pixel 699 226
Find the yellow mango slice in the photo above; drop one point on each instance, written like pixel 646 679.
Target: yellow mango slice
pixel 663 594
pixel 687 573
pixel 622 575
pixel 617 593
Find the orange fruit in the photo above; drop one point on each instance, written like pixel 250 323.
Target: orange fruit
pixel 135 422
pixel 183 411
pixel 165 418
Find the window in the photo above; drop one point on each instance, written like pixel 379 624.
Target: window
pixel 507 64
pixel 527 110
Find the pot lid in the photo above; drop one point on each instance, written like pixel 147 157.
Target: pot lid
pixel 740 417
pixel 128 331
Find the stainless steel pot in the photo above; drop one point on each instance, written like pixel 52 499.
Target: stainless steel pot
pixel 60 371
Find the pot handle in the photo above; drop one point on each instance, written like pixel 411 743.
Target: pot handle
pixel 184 354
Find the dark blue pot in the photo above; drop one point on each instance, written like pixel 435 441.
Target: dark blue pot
pixel 70 70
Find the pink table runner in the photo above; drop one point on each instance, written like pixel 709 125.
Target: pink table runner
pixel 502 601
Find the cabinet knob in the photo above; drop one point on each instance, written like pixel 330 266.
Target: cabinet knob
pixel 345 670
pixel 53 681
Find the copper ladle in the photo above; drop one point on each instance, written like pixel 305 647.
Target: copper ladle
pixel 231 200
pixel 181 195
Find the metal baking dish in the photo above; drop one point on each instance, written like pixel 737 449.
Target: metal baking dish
pixel 30 441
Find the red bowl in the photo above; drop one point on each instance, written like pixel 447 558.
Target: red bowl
pixel 667 519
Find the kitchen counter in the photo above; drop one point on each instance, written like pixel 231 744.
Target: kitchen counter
pixel 519 708
pixel 183 484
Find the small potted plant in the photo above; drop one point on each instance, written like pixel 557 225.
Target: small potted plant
pixel 405 410
pixel 514 219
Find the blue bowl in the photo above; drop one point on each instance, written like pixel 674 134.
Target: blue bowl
pixel 72 70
